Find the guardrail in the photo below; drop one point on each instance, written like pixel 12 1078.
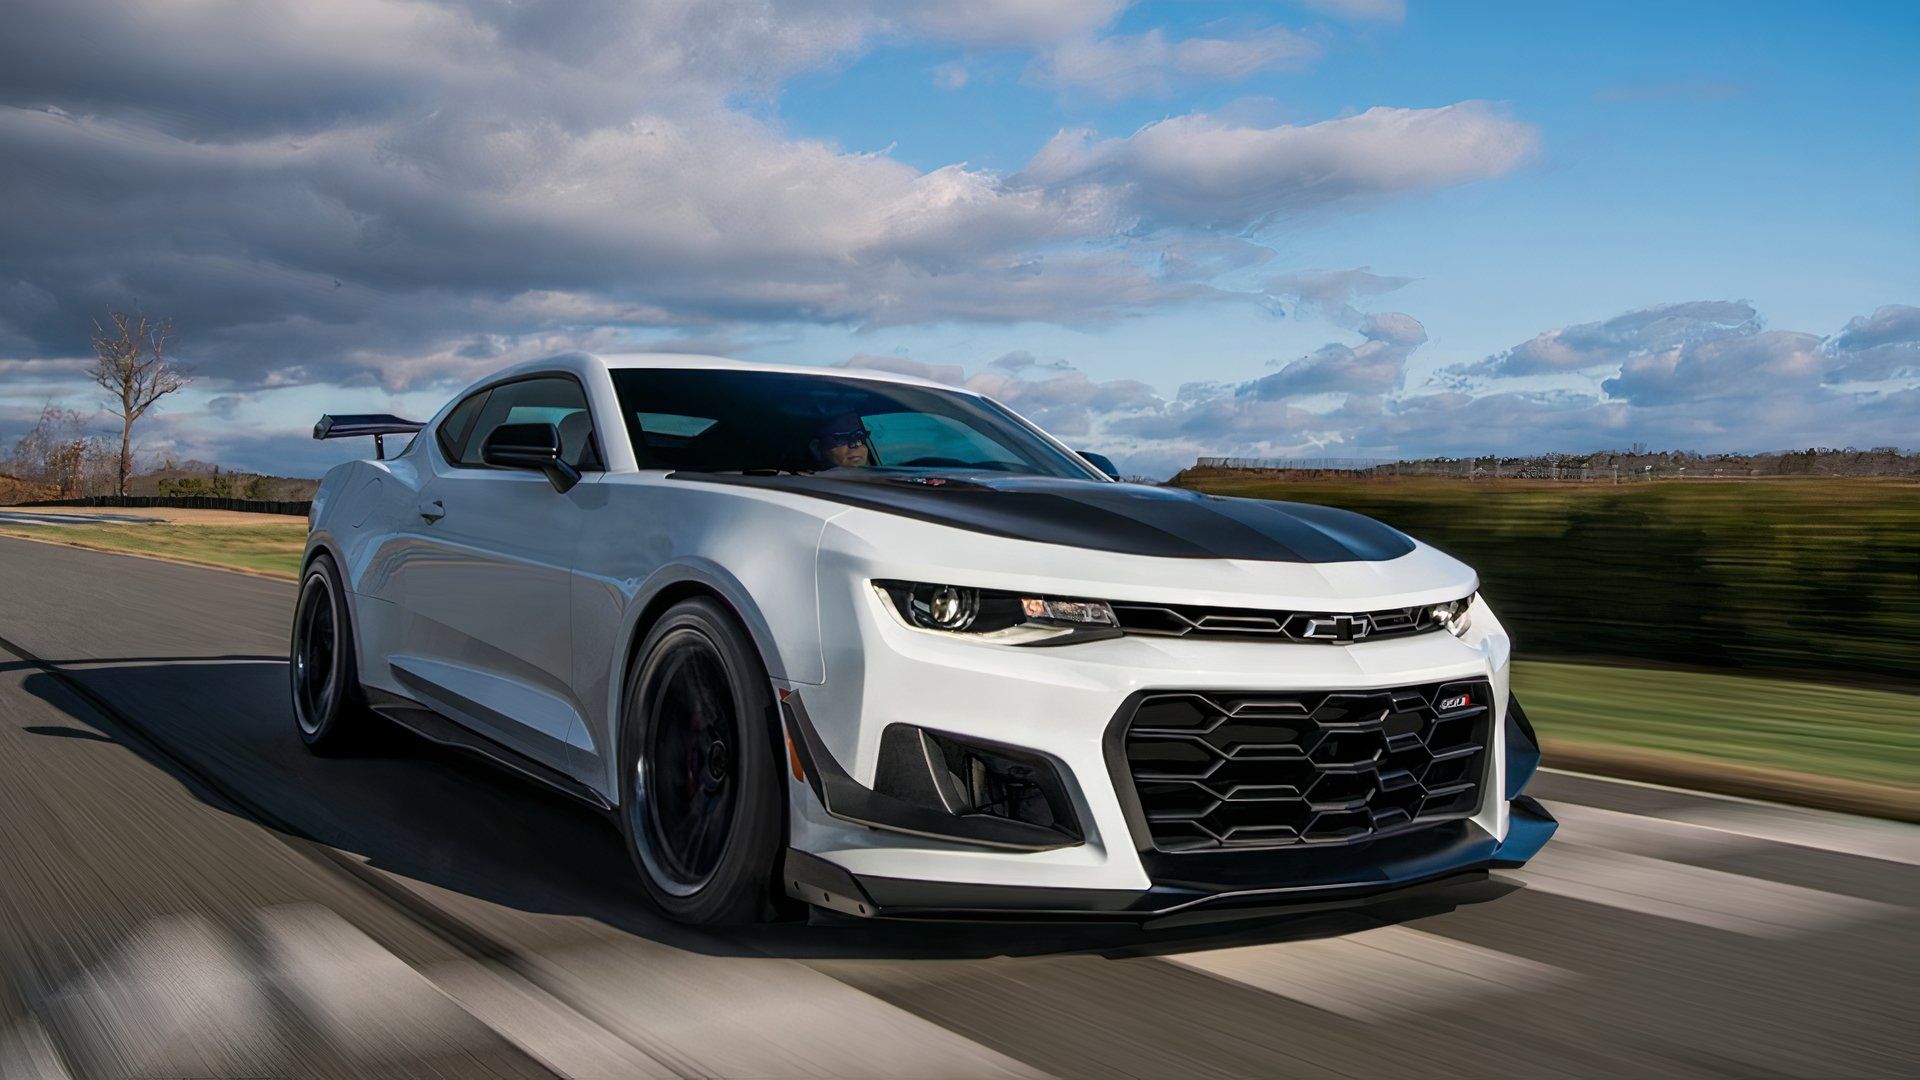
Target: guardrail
pixel 187 502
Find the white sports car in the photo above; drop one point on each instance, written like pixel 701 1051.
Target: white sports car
pixel 885 647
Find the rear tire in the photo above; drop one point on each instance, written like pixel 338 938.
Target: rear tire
pixel 329 708
pixel 702 804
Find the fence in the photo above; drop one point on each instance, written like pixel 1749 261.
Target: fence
pixel 1485 468
pixel 1295 464
pixel 1460 468
pixel 187 502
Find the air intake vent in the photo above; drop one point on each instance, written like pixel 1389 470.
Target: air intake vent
pixel 1223 769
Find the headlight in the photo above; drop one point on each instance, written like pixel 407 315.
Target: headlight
pixel 1455 615
pixel 995 615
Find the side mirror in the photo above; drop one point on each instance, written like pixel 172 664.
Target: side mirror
pixel 1101 462
pixel 530 446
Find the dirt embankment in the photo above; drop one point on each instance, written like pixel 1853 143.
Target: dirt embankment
pixel 14 490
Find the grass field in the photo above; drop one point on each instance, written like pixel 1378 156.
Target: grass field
pixel 1845 733
pixel 1819 578
pixel 271 548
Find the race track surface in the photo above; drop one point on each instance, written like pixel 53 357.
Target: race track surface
pixel 184 890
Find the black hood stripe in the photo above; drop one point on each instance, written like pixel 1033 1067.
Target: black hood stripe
pixel 1128 519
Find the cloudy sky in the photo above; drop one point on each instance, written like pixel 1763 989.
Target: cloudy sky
pixel 1347 228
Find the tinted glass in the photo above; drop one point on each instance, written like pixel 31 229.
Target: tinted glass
pixel 557 401
pixel 453 431
pixel 692 419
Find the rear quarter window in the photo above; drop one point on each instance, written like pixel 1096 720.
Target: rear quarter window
pixel 454 431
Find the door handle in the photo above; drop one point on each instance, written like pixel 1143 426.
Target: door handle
pixel 433 511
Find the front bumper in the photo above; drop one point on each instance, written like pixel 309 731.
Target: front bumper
pixel 857 850
pixel 1303 880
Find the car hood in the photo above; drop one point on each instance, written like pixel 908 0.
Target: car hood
pixel 1130 519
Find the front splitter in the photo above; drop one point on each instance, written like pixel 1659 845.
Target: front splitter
pixel 1315 880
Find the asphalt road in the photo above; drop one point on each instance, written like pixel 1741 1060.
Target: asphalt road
pixel 185 891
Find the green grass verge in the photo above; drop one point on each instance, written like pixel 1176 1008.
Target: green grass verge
pixel 270 549
pixel 1872 736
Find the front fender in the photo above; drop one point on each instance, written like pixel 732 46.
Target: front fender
pixel 797 662
pixel 658 542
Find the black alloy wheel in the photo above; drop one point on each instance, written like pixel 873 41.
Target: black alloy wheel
pixel 327 704
pixel 703 808
pixel 685 781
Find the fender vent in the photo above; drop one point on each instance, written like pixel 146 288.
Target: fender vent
pixel 1223 769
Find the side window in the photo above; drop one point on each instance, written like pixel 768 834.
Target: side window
pixel 453 431
pixel 552 400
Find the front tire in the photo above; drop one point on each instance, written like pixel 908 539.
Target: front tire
pixel 329 709
pixel 702 803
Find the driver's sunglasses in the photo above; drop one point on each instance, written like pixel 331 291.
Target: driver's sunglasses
pixel 844 438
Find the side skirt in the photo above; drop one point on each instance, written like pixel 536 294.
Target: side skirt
pixel 442 731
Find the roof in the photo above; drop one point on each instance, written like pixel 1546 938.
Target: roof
pixel 721 363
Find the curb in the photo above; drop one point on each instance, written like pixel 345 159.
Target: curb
pixel 269 575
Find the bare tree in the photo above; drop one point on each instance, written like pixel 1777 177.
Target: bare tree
pixel 130 361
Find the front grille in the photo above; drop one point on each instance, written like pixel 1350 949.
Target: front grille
pixel 1223 769
pixel 1178 620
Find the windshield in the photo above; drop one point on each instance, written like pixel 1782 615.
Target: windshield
pixel 754 420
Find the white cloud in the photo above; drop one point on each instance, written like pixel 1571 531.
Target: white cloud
pixel 1150 63
pixel 1010 22
pixel 454 219
pixel 1393 328
pixel 1754 365
pixel 1879 346
pixel 364 190
pixel 952 75
pixel 1198 170
pixel 1613 341
pixel 1377 365
pixel 1331 293
pixel 300 256
pixel 1361 10
pixel 1722 385
pixel 388 196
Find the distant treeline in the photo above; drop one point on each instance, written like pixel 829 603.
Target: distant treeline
pixel 1816 578
pixel 1601 465
pixel 34 475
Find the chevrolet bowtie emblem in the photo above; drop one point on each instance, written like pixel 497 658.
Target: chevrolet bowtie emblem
pixel 1339 628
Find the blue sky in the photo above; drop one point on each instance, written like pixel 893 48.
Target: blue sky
pixel 1759 151
pixel 1693 225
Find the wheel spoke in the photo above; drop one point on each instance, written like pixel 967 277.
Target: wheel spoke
pixel 687 762
pixel 313 659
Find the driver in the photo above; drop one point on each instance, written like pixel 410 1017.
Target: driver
pixel 841 442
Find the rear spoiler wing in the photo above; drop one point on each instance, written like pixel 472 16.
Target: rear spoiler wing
pixel 378 425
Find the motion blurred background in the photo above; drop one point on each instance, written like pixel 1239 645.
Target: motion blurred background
pixel 1619 303
pixel 1756 636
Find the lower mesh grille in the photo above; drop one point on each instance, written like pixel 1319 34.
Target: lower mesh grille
pixel 1221 769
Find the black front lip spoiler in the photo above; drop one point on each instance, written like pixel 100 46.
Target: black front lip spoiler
pixel 1411 861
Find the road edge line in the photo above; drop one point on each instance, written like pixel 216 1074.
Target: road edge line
pixel 267 575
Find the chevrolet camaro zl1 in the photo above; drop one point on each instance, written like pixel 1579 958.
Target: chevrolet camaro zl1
pixel 883 646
